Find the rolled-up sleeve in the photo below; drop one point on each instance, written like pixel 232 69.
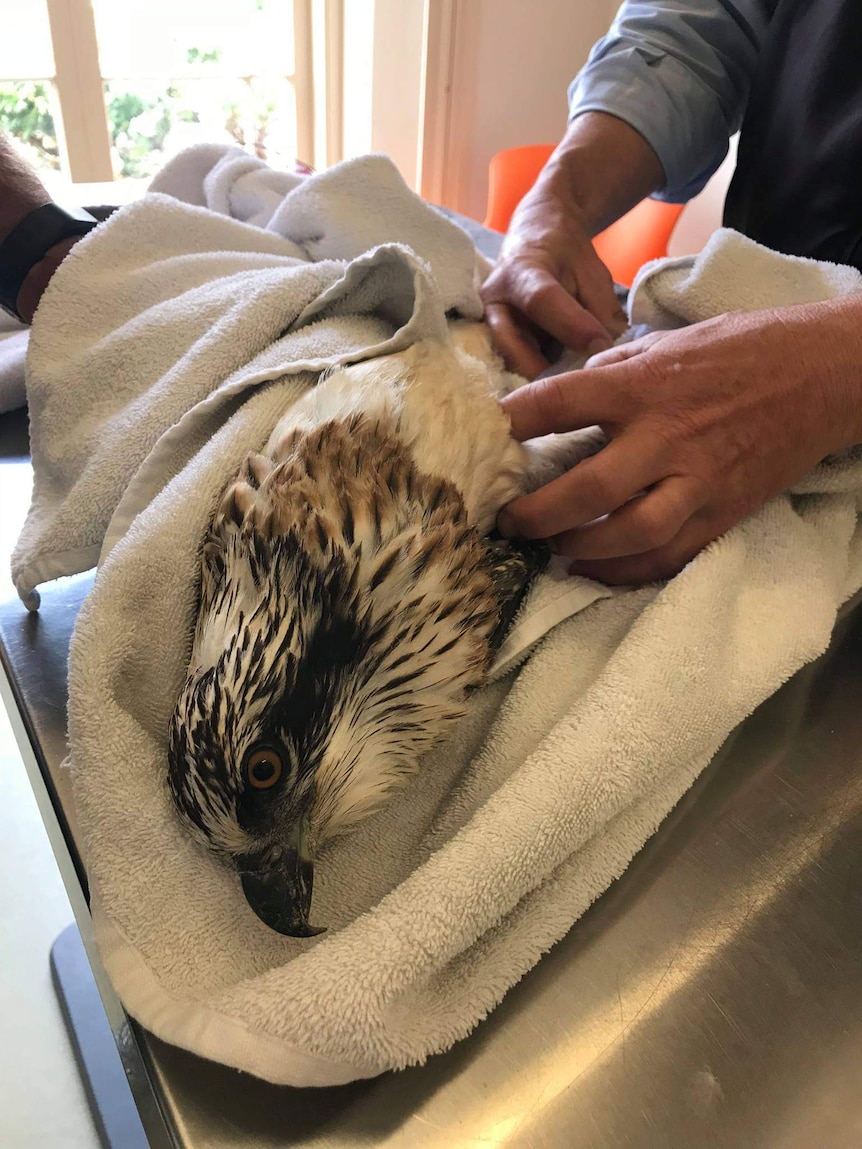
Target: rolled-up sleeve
pixel 679 72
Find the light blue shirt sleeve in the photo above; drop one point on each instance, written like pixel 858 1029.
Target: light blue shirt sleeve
pixel 679 72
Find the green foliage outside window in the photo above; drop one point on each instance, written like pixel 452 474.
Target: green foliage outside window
pixel 143 114
pixel 25 113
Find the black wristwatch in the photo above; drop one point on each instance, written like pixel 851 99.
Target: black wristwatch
pixel 27 243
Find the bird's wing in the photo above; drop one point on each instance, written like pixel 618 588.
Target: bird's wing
pixel 513 564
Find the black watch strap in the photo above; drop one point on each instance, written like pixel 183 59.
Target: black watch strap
pixel 28 242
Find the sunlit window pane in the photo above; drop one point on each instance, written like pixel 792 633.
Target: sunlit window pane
pixel 25 40
pixel 151 120
pixel 27 117
pixel 195 37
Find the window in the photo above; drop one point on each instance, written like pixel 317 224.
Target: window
pixel 99 90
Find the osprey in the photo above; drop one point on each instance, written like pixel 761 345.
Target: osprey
pixel 350 599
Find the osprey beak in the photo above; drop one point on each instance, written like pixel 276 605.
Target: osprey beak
pixel 277 884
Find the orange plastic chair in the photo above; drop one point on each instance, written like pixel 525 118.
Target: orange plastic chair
pixel 640 235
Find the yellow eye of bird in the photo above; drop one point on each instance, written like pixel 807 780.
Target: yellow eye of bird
pixel 263 768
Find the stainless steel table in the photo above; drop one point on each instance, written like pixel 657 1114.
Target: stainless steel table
pixel 712 997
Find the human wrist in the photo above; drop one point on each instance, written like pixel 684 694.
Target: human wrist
pixel 601 168
pixel 828 338
pixel 566 182
pixel 847 371
pixel 544 216
pixel 39 276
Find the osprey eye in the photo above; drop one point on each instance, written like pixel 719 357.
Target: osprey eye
pixel 263 768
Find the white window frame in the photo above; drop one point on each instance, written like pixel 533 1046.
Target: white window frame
pixel 83 134
pixel 398 76
pixel 433 177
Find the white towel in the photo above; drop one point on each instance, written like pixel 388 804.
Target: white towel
pixel 176 311
pixel 732 273
pixel 564 767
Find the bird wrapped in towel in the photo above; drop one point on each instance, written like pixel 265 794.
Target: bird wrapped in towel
pixel 350 600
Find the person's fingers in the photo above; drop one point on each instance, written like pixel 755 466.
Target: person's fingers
pixel 547 304
pixel 593 488
pixel 641 525
pixel 634 570
pixel 623 351
pixel 596 293
pixel 617 354
pixel 514 341
pixel 651 566
pixel 564 402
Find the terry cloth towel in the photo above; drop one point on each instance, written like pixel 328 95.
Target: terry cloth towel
pixel 185 180
pixel 564 766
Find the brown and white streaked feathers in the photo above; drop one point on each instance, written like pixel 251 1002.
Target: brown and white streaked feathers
pixel 347 602
pixel 441 404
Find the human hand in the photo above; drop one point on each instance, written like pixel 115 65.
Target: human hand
pixel 549 281
pixel 705 424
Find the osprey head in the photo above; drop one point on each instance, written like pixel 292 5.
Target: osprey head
pixel 346 608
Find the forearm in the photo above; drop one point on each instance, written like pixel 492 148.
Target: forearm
pixel 827 342
pixel 678 72
pixel 600 170
pixel 21 191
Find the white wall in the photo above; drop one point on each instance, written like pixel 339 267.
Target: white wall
pixel 494 74
pixel 512 63
pixel 358 76
pixel 500 80
pixel 383 52
pixel 399 27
